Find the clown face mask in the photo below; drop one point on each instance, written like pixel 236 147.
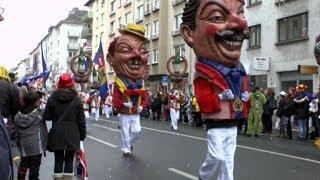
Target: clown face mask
pixel 220 28
pixel 130 57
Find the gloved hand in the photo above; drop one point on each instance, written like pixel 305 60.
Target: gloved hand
pixel 245 96
pixel 226 95
pixel 128 105
pixel 139 109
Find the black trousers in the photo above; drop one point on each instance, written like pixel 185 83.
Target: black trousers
pixel 289 129
pixel 63 161
pixel 267 122
pixel 33 164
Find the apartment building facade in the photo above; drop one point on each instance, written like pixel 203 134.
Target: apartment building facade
pixel 279 53
pixel 162 20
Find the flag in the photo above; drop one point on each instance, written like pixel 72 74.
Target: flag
pixel 99 57
pixel 45 72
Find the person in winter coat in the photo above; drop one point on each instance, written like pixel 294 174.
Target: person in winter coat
pixel 65 109
pixel 157 103
pixel 268 108
pixel 301 115
pixel 281 113
pixel 257 100
pixel 32 135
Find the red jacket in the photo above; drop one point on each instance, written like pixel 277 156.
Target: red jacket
pixel 119 98
pixel 208 84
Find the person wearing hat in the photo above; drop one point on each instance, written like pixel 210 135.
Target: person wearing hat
pixel 65 109
pixel 280 113
pixel 301 115
pixel 128 56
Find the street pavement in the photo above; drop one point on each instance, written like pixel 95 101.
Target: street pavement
pixel 162 154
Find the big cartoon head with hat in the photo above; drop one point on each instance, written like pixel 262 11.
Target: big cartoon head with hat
pixel 127 54
pixel 215 29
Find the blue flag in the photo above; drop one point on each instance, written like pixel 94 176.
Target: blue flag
pixel 99 57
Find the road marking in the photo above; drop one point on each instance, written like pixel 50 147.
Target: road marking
pixel 104 127
pixel 240 146
pixel 101 141
pixel 177 171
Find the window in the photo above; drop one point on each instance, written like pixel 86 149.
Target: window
pixel 102 19
pixel 102 3
pixel 177 21
pixel 111 27
pixel 155 5
pixel 112 10
pixel 181 48
pixel 97 40
pixel 155 27
pixel 254 2
pixel 147 7
pixel 97 20
pixel 155 55
pixel 140 13
pixel 120 4
pixel 255 36
pixel 148 30
pixel 120 21
pixel 293 28
pixel 127 18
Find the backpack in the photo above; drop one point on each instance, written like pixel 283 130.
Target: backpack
pixel 6 167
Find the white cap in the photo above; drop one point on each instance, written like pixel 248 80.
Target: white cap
pixel 283 93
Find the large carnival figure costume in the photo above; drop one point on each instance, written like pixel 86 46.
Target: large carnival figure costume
pixel 129 57
pixel 215 29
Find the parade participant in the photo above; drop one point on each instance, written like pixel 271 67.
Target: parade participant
pixel 174 110
pixel 129 57
pixel 108 105
pixel 95 106
pixel 215 29
pixel 257 100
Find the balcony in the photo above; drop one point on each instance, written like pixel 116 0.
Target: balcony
pixel 112 13
pixel 86 33
pixel 87 17
pixel 73 34
pixel 177 2
pixel 281 2
pixel 139 20
pixel 111 33
pixel 126 3
pixel 154 37
pixel 176 32
pixel 155 7
pixel 73 46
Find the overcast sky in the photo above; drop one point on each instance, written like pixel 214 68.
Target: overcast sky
pixel 26 22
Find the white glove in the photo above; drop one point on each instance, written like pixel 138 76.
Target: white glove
pixel 128 105
pixel 226 95
pixel 245 96
pixel 139 109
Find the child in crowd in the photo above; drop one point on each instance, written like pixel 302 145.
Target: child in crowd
pixel 32 136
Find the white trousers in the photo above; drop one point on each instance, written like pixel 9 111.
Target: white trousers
pixel 130 129
pixel 219 162
pixel 174 116
pixel 95 112
pixel 107 110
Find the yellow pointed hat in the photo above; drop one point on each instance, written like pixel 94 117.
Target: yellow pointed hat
pixel 4 74
pixel 138 30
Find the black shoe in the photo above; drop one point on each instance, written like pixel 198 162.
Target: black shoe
pixel 127 154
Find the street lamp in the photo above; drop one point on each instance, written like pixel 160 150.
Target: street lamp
pixel 177 67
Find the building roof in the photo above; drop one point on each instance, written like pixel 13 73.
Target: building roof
pixel 89 2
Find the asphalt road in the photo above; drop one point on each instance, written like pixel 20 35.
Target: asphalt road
pixel 161 154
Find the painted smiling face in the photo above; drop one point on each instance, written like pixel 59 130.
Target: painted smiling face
pixel 130 57
pixel 220 28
